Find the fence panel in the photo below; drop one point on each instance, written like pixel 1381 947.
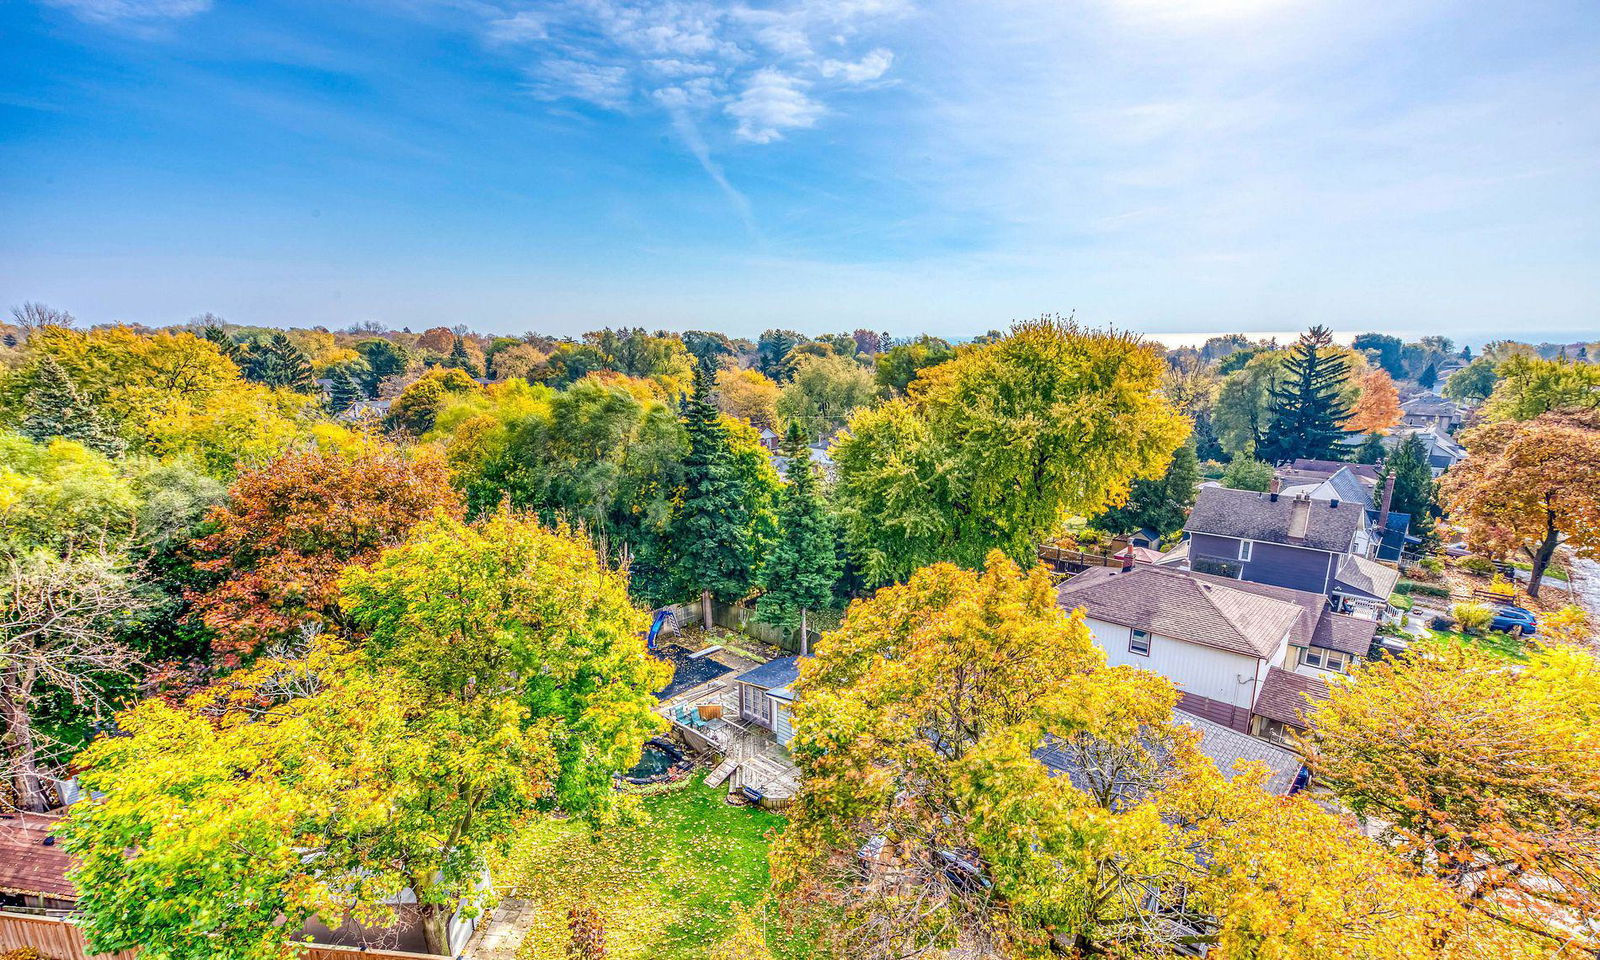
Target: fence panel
pixel 60 939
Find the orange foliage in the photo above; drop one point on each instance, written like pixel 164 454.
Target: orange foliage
pixel 1378 407
pixel 290 528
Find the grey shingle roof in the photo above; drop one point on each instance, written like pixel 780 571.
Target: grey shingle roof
pixel 1176 603
pixel 1226 747
pixel 1358 574
pixel 1249 515
pixel 1283 696
pixel 779 672
pixel 1352 635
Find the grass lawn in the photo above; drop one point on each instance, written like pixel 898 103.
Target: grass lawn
pixel 667 888
pixel 1500 644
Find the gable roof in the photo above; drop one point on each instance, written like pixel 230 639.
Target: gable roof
pixel 1352 635
pixel 30 866
pixel 1327 468
pixel 1283 697
pixel 1247 515
pixel 773 674
pixel 1367 577
pixel 1178 604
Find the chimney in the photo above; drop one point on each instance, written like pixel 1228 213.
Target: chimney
pixel 1273 488
pixel 1127 561
pixel 1388 498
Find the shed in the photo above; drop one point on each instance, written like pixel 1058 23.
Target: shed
pixel 766 697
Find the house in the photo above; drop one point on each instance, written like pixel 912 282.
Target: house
pixel 1241 653
pixel 819 459
pixel 1145 537
pixel 769 439
pixel 1317 546
pixel 366 410
pixel 1428 412
pixel 1353 483
pixel 766 697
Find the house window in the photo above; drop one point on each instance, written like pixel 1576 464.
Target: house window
pixel 1139 643
pixel 1323 659
pixel 1244 550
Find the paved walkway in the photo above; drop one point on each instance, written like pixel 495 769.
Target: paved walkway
pixel 498 937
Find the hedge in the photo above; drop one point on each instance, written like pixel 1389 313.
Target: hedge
pixel 1405 587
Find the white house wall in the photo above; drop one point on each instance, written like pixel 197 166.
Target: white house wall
pixel 1200 670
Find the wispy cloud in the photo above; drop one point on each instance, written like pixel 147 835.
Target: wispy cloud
pixel 131 11
pixel 768 70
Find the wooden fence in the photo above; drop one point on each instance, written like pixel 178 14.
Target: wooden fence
pixel 60 939
pixel 742 619
pixel 1063 560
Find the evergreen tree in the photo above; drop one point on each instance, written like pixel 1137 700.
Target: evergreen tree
pixel 709 536
pixel 346 391
pixel 1429 376
pixel 55 408
pixel 1371 449
pixel 277 362
pixel 225 343
pixel 1414 491
pixel 462 360
pixel 803 568
pixel 1306 406
pixel 1162 505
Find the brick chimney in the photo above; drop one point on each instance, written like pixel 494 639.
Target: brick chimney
pixel 1273 488
pixel 1388 498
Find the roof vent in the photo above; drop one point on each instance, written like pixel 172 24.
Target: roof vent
pixel 1333 504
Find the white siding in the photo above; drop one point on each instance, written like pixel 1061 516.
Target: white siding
pixel 1203 671
pixel 781 729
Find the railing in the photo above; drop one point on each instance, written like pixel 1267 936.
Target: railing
pixel 60 939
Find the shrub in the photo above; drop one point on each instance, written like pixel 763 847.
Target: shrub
pixel 1432 564
pixel 1413 588
pixel 1473 618
pixel 1502 587
pixel 1400 602
pixel 1482 566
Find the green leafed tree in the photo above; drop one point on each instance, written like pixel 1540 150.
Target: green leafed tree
pixel 998 447
pixel 712 544
pixel 55 408
pixel 1161 505
pixel 1371 449
pixel 229 347
pixel 1475 381
pixel 804 564
pixel 1413 485
pixel 1307 405
pixel 1245 474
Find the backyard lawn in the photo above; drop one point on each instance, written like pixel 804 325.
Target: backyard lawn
pixel 1493 641
pixel 667 888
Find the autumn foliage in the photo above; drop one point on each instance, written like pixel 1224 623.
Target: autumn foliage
pixel 290 528
pixel 1378 407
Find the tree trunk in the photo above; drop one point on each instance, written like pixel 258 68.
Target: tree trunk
pixel 22 750
pixel 1541 557
pixel 435 921
pixel 804 633
pixel 705 609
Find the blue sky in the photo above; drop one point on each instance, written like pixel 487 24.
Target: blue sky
pixel 908 165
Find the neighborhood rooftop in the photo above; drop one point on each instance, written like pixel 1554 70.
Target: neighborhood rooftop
pixel 1247 515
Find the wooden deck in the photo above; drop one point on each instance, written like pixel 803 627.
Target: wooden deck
pixel 742 754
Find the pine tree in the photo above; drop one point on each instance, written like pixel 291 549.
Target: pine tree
pixel 1430 376
pixel 225 343
pixel 345 392
pixel 1161 505
pixel 709 533
pixel 55 408
pixel 277 362
pixel 803 568
pixel 1306 406
pixel 461 360
pixel 1414 491
pixel 1371 449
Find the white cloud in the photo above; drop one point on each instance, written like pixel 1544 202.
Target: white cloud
pixel 134 11
pixel 521 27
pixel 869 68
pixel 599 84
pixel 771 103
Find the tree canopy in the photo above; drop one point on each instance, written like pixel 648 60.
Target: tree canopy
pixel 1307 403
pixel 996 448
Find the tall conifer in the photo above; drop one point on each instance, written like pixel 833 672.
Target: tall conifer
pixel 1307 408
pixel 55 408
pixel 802 570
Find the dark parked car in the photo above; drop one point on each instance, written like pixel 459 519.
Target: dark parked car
pixel 1510 619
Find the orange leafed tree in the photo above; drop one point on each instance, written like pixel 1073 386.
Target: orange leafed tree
pixel 1530 485
pixel 290 528
pixel 1378 407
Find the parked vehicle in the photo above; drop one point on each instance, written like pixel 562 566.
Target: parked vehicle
pixel 1510 619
